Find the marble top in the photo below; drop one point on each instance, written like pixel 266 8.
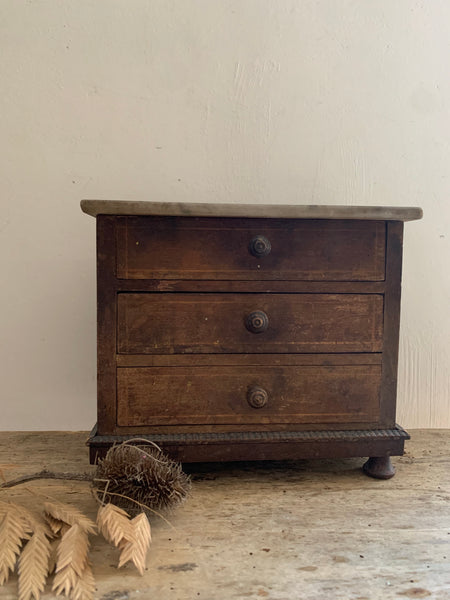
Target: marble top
pixel 279 211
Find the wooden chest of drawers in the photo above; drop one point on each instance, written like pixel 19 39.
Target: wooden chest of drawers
pixel 228 336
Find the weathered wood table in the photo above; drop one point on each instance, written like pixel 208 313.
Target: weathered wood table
pixel 240 332
pixel 266 531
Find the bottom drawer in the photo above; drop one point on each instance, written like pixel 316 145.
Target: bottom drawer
pixel 151 396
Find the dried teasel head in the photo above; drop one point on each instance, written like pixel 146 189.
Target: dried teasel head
pixel 135 475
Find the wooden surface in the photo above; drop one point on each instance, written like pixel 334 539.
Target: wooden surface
pixel 220 249
pixel 295 395
pixel 289 211
pixel 311 530
pixel 216 323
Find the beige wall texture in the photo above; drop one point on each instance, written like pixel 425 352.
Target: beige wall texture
pixel 255 101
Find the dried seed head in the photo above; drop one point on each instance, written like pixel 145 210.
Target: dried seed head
pixel 141 473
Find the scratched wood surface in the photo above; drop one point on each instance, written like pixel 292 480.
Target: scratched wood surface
pixel 308 529
pixel 318 394
pixel 218 249
pixel 222 323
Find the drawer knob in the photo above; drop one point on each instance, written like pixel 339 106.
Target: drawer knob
pixel 257 321
pixel 257 397
pixel 260 246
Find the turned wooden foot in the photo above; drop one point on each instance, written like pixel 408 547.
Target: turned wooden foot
pixel 379 467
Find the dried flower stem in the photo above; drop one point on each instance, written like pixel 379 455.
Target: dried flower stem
pixel 44 474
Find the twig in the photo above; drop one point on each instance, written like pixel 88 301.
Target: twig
pixel 44 474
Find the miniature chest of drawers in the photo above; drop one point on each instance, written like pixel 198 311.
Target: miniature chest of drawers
pixel 247 332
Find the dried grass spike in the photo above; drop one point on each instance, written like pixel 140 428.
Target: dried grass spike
pixel 115 524
pixel 55 525
pixel 13 529
pixel 136 552
pixel 4 507
pixel 65 581
pixel 33 566
pixel 70 515
pixel 84 587
pixel 53 556
pixel 29 521
pixel 35 522
pixel 73 550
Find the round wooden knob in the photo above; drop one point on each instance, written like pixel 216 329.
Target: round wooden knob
pixel 257 321
pixel 257 397
pixel 260 246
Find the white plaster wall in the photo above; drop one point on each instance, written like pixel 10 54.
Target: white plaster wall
pixel 305 101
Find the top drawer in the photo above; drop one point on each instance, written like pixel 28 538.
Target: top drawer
pixel 249 249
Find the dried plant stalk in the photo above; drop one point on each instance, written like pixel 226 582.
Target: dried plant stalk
pixel 84 587
pixel 13 530
pixel 114 524
pixel 70 515
pixel 136 551
pixel 56 525
pixel 33 566
pixel 73 575
pixel 141 476
pixel 72 558
pixel 65 581
pixel 53 556
pixel 36 522
pixel 132 537
pixel 73 550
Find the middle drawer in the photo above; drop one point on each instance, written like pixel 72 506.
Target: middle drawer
pixel 182 323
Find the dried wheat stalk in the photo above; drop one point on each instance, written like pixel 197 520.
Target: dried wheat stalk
pixel 136 551
pixel 114 524
pixel 53 556
pixel 33 566
pixel 165 485
pixel 73 550
pixel 65 581
pixel 14 528
pixel 132 537
pixel 56 526
pixel 17 525
pixel 84 587
pixel 68 514
pixel 73 576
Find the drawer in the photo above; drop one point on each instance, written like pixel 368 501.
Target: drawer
pixel 180 323
pixel 254 395
pixel 249 249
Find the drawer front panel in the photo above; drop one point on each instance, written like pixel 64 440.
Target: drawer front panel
pixel 249 249
pixel 239 395
pixel 176 323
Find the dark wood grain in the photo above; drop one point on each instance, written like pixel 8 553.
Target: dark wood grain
pixel 394 247
pixel 106 325
pixel 279 445
pixel 217 249
pixel 267 360
pixel 220 395
pixel 216 323
pixel 149 429
pixel 267 287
